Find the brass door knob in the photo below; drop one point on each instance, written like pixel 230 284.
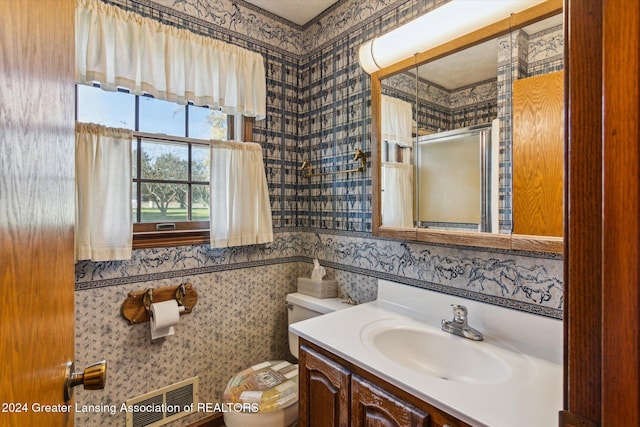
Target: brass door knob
pixel 93 377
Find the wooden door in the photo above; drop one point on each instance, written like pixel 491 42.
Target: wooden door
pixel 36 210
pixel 324 391
pixel 538 155
pixel 373 407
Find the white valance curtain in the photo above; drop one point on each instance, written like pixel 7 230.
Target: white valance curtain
pixel 122 49
pixel 239 203
pixel 103 193
pixel 397 194
pixel 397 121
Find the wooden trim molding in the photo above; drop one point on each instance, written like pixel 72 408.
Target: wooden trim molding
pixel 376 159
pixel 621 217
pixel 247 134
pixel 602 256
pixel 145 235
pixel 567 419
pixel 583 207
pixel 169 239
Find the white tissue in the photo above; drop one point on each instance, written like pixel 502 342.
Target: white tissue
pixel 318 271
pixel 164 316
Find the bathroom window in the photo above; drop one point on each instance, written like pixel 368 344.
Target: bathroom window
pixel 170 161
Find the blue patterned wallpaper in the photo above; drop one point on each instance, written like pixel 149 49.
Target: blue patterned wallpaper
pixel 522 282
pixel 318 109
pixel 441 109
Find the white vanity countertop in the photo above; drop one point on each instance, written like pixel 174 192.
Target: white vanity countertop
pixel 531 397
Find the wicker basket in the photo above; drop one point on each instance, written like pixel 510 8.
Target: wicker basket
pixel 318 288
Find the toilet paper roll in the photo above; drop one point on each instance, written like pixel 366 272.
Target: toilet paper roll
pixel 164 316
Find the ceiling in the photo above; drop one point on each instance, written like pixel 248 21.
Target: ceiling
pixel 297 11
pixel 475 64
pixel 450 72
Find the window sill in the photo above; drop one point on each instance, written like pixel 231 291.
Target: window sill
pixel 145 240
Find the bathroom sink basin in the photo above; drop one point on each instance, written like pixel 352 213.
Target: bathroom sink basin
pixel 429 351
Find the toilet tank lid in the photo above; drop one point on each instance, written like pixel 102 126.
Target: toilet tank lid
pixel 320 305
pixel 267 386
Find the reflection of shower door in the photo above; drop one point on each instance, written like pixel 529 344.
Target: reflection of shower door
pixel 453 179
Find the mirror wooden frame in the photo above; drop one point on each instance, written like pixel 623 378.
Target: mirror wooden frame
pixel 535 13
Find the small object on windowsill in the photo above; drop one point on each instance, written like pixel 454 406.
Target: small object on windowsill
pixel 166 226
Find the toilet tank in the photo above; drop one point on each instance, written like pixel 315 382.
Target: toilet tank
pixel 301 307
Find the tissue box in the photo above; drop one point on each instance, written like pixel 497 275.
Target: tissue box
pixel 318 288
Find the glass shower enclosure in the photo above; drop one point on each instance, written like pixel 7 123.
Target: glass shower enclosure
pixel 455 188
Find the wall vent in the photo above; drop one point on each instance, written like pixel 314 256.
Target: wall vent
pixel 164 405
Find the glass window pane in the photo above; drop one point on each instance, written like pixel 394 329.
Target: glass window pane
pixel 200 163
pixel 163 160
pixel 134 202
pixel 157 116
pixel 113 109
pixel 200 202
pixel 134 158
pixel 207 124
pixel 163 202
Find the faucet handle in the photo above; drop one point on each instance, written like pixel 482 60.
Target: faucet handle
pixel 459 313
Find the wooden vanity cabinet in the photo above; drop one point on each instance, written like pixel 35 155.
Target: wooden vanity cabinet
pixel 325 390
pixel 336 393
pixel 371 405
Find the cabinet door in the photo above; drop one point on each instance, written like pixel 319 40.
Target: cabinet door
pixel 538 155
pixel 373 407
pixel 324 391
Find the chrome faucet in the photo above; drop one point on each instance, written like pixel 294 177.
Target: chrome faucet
pixel 459 326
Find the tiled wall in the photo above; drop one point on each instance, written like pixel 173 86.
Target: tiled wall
pixel 319 110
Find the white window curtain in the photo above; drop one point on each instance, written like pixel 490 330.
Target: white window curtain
pixel 397 121
pixel 118 48
pixel 103 193
pixel 239 202
pixel 397 194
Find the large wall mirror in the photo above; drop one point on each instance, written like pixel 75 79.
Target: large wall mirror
pixel 468 138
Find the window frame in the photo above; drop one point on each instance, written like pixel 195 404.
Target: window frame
pixel 146 234
pixel 183 230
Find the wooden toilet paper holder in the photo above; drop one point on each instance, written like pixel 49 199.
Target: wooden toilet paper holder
pixel 137 305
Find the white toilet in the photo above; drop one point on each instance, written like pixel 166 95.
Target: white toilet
pixel 278 389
